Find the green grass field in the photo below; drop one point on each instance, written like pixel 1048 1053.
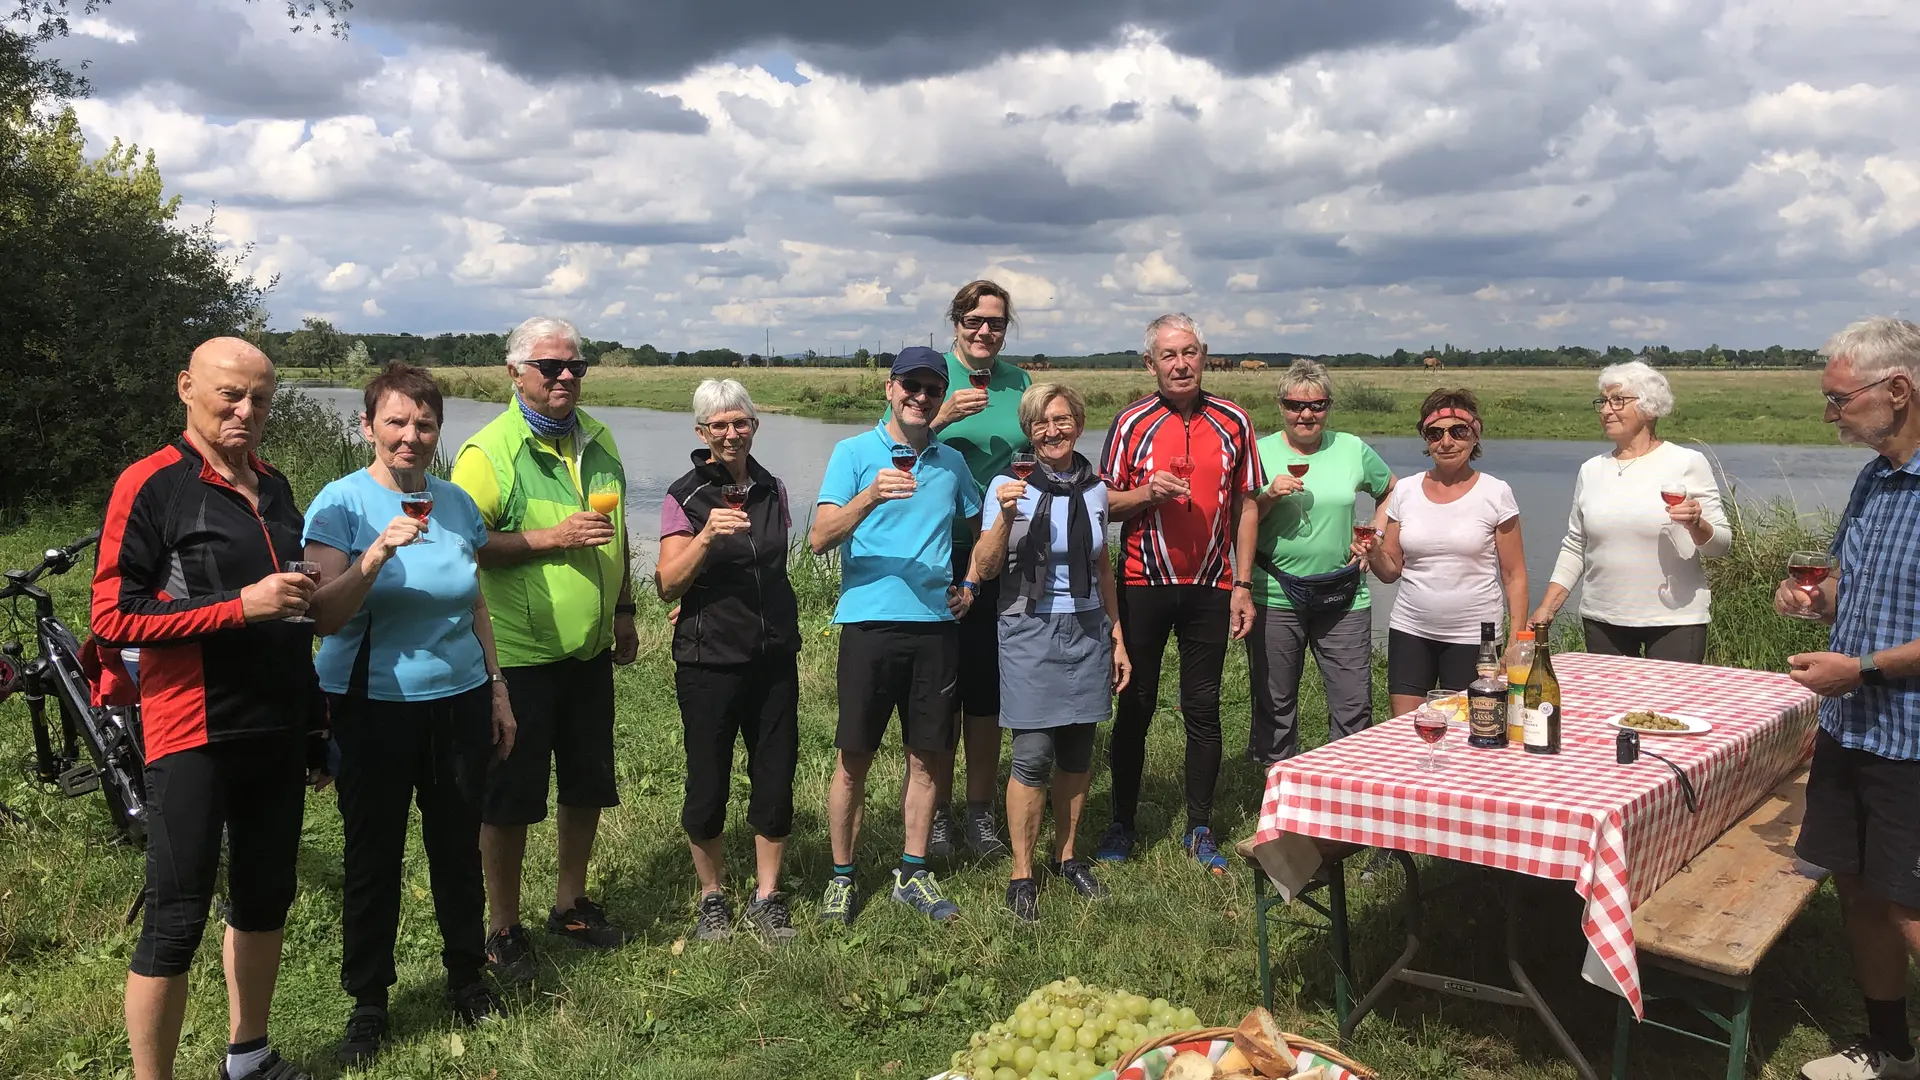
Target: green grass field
pixel 895 996
pixel 1782 407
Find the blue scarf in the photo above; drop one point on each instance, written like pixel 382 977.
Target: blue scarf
pixel 546 427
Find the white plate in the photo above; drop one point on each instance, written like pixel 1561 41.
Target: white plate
pixel 1695 726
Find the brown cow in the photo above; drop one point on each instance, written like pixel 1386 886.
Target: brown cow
pixel 1433 364
pixel 1253 365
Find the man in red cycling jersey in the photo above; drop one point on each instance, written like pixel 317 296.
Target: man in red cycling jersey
pixel 1182 466
pixel 190 571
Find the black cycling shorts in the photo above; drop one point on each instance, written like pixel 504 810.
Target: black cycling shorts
pixel 911 667
pixel 979 689
pixel 1418 664
pixel 1863 817
pixel 563 712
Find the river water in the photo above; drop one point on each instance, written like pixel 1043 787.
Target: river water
pixel 655 446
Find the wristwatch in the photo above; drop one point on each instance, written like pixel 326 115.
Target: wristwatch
pixel 497 677
pixel 1870 673
pixel 1247 585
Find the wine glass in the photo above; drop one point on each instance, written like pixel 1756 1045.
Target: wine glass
pixel 980 377
pixel 1298 470
pixel 1808 569
pixel 418 505
pixel 904 459
pixel 1365 534
pixel 604 496
pixel 312 571
pixel 735 495
pixel 1430 723
pixel 1021 467
pixel 1181 467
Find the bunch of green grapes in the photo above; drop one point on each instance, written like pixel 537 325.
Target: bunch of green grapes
pixel 1068 1031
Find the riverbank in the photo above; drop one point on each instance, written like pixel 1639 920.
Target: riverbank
pixel 1779 407
pixel 892 997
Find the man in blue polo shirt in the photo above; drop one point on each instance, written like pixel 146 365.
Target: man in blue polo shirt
pixel 1863 791
pixel 899 642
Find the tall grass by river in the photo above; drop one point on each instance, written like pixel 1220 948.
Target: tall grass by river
pixel 892 997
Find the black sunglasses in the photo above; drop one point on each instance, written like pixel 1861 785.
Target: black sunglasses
pixel 551 369
pixel 1320 406
pixel 995 323
pixel 915 387
pixel 1457 432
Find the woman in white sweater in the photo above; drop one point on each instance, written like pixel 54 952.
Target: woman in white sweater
pixel 1643 518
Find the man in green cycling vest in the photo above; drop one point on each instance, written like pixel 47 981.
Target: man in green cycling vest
pixel 550 487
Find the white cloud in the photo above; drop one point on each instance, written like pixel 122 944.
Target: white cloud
pixel 371 308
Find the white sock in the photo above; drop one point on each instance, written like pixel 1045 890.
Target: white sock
pixel 242 1062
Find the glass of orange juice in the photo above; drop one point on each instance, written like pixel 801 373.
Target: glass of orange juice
pixel 604 496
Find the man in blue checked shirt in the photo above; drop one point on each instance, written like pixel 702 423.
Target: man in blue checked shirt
pixel 1863 793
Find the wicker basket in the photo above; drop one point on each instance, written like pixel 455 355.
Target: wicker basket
pixel 1294 1042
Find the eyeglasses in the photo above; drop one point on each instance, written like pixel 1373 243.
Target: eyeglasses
pixel 1320 406
pixel 995 323
pixel 742 426
pixel 1456 432
pixel 1056 423
pixel 1616 403
pixel 551 369
pixel 1839 401
pixel 916 388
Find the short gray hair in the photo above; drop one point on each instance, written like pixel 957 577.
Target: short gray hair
pixel 1879 347
pixel 1176 320
pixel 715 396
pixel 1305 373
pixel 1640 381
pixel 1035 399
pixel 520 343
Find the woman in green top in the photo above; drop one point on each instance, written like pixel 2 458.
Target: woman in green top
pixel 1309 580
pixel 981 419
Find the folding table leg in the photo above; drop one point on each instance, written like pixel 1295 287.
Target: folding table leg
pixel 1737 1035
pixel 1532 995
pixel 1411 902
pixel 1342 957
pixel 1623 1022
pixel 1260 936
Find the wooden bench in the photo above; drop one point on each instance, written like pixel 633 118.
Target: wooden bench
pixel 1330 877
pixel 1715 920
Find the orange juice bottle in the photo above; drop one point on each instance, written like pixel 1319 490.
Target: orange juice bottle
pixel 1517 673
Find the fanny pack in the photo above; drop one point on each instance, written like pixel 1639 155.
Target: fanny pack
pixel 1316 594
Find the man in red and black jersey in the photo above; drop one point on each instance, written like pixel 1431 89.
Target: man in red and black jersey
pixel 1182 466
pixel 190 572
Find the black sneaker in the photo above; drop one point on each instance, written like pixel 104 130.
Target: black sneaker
pixel 940 834
pixel 510 956
pixel 587 924
pixel 713 920
pixel 983 836
pixel 768 915
pixel 1080 876
pixel 271 1067
pixel 1023 897
pixel 474 1003
pixel 366 1030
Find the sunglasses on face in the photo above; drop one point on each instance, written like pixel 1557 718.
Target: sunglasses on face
pixel 551 369
pixel 995 323
pixel 1456 432
pixel 1319 406
pixel 916 388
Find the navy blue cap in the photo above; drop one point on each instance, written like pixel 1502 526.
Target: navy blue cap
pixel 919 358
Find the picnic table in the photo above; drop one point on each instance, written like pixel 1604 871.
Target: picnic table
pixel 1617 832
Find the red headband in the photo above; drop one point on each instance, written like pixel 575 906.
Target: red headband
pixel 1451 413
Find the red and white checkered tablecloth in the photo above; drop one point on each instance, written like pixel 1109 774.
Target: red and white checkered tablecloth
pixel 1616 831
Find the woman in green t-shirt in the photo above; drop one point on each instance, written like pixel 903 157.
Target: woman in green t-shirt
pixel 1309 581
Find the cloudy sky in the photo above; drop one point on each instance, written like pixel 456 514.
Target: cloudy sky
pixel 1298 174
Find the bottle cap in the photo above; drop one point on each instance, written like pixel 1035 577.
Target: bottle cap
pixel 1524 635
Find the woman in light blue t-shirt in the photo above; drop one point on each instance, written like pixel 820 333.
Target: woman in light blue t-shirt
pixel 415 699
pixel 1061 656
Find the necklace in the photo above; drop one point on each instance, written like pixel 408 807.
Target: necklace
pixel 1621 467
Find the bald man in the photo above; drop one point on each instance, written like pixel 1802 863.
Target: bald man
pixel 190 572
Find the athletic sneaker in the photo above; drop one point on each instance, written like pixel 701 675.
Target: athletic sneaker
pixel 713 921
pixel 768 915
pixel 983 836
pixel 474 1003
pixel 837 904
pixel 1080 876
pixel 1023 896
pixel 510 956
pixel 921 893
pixel 1199 844
pixel 1116 845
pixel 586 922
pixel 940 838
pixel 1862 1061
pixel 366 1030
pixel 271 1067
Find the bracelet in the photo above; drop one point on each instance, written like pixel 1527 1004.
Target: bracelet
pixel 624 609
pixel 971 587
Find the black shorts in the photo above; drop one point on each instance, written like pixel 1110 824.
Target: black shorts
pixel 979 691
pixel 757 704
pixel 254 789
pixel 1416 664
pixel 1863 817
pixel 564 713
pixel 907 666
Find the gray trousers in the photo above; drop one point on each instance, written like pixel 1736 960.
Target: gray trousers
pixel 1342 645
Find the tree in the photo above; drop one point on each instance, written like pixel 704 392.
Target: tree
pixel 316 345
pixel 47 19
pixel 358 359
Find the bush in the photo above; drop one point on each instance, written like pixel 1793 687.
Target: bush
pixel 1362 397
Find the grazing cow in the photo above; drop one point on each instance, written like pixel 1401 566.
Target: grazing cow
pixel 1253 365
pixel 1433 364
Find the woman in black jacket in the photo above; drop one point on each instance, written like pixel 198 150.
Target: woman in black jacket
pixel 723 556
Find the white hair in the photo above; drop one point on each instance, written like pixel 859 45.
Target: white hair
pixel 1879 347
pixel 1177 320
pixel 520 343
pixel 1638 379
pixel 715 396
pixel 1305 373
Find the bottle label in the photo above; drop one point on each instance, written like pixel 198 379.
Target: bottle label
pixel 1484 717
pixel 1536 724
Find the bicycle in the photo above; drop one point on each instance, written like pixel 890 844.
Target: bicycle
pixel 112 733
